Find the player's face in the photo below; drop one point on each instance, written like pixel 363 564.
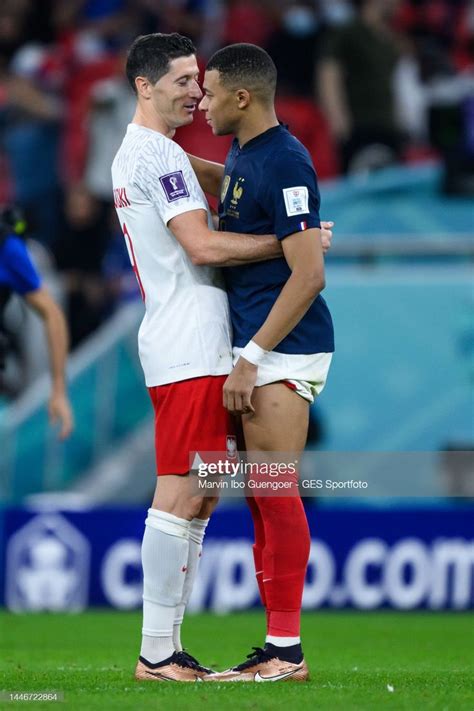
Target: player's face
pixel 176 95
pixel 219 105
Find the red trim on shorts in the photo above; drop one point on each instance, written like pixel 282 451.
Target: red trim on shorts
pixel 189 417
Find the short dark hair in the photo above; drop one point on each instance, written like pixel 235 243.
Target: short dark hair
pixel 246 66
pixel 150 55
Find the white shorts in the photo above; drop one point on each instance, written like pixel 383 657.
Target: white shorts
pixel 306 374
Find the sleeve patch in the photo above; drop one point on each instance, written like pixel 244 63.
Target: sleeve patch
pixel 296 200
pixel 174 186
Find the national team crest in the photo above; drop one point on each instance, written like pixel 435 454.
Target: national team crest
pixel 238 190
pixel 231 446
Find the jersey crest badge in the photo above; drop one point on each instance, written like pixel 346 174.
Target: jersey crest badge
pixel 231 444
pixel 237 191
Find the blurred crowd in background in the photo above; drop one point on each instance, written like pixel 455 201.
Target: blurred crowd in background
pixel 363 83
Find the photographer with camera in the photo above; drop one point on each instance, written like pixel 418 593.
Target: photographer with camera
pixel 19 276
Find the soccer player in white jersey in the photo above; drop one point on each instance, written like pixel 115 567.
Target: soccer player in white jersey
pixel 184 339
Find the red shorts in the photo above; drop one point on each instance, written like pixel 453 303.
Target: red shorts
pixel 190 417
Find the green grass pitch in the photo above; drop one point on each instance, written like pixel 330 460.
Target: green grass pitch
pixel 357 660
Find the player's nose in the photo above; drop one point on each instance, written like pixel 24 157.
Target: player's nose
pixel 196 92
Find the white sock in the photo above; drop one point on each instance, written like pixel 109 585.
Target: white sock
pixel 282 641
pixel 197 530
pixel 164 555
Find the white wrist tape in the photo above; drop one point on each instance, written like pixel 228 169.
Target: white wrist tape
pixel 253 353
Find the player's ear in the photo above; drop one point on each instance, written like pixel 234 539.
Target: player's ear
pixel 243 98
pixel 143 87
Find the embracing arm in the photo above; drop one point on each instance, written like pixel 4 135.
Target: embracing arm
pixel 220 249
pixel 209 174
pixel 57 335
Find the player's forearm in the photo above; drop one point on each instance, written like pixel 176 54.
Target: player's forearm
pixel 296 297
pixel 209 174
pixel 229 249
pixel 58 342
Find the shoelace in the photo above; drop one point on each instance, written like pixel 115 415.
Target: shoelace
pixel 193 661
pixel 256 657
pixel 183 659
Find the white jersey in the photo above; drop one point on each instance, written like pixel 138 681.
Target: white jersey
pixel 185 332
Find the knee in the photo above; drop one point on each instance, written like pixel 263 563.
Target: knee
pixel 208 505
pixel 199 506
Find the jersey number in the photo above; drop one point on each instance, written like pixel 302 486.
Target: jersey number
pixel 126 234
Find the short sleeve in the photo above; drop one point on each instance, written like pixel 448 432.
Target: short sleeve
pixel 290 196
pixel 164 175
pixel 23 276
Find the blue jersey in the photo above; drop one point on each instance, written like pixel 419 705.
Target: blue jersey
pixel 17 272
pixel 270 187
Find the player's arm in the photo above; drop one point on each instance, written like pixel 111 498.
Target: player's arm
pixel 220 249
pixel 304 255
pixel 209 174
pixel 57 335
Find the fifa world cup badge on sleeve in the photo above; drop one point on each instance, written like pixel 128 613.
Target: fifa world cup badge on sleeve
pixel 174 186
pixel 296 200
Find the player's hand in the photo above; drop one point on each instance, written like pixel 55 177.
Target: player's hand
pixel 326 235
pixel 238 388
pixel 60 411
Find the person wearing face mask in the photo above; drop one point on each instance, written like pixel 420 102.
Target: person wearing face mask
pixel 355 78
pixel 293 47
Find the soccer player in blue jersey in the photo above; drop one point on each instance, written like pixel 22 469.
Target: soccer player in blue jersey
pixel 283 333
pixel 18 275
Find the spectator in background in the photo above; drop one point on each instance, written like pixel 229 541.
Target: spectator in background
pixel 294 47
pixel 249 21
pixel 90 223
pixel 356 86
pixel 30 129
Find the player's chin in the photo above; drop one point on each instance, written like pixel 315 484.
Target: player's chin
pixel 215 129
pixel 187 118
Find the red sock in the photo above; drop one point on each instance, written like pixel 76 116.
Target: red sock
pixel 285 558
pixel 259 544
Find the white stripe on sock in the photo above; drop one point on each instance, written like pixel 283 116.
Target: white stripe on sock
pixel 282 641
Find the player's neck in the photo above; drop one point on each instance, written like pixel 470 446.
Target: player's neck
pixel 255 127
pixel 153 121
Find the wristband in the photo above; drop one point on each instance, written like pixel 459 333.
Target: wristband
pixel 253 353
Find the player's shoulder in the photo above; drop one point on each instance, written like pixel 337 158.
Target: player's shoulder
pixel 286 151
pixel 13 247
pixel 143 146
